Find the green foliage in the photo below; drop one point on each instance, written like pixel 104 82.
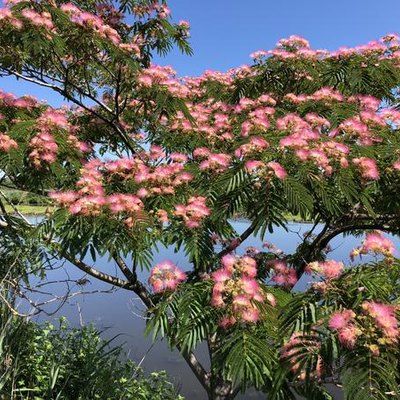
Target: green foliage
pixel 48 362
pixel 94 68
pixel 363 375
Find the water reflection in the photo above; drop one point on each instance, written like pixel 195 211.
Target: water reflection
pixel 119 312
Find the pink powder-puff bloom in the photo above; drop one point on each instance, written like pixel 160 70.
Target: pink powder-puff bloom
pixel 201 152
pixel 228 261
pixel 142 193
pixel 248 266
pixel 384 316
pixel 368 167
pixel 217 300
pixel 253 165
pixel 376 243
pixel 194 212
pixel 240 301
pixel 64 198
pixel 184 24
pixel 246 128
pixel 156 152
pixel 6 143
pixel 249 285
pixel 343 323
pixel 341 319
pixel 294 42
pixel 178 157
pixel 329 269
pixel 259 142
pixel 216 162
pixel 278 170
pixel 250 314
pixel 235 288
pixel 348 336
pixel 162 216
pixel 258 54
pixel 221 275
pixel 227 321
pixel 279 267
pixel 124 203
pixel 283 274
pixel 166 276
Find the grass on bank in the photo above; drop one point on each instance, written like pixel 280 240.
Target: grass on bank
pixel 26 209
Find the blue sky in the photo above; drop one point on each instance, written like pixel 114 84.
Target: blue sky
pixel 225 32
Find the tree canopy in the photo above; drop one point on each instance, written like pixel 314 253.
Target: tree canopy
pixel 140 156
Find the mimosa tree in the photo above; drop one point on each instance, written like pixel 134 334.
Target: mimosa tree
pixel 141 157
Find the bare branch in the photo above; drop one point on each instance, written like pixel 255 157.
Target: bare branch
pixel 68 96
pixel 236 243
pixel 199 371
pixel 113 280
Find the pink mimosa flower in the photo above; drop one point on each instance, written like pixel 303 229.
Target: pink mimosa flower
pixel 166 276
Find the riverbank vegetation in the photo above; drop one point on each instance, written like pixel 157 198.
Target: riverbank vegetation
pixel 57 362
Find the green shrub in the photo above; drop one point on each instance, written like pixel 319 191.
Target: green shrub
pixel 45 362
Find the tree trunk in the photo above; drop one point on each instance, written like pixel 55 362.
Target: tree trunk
pixel 221 391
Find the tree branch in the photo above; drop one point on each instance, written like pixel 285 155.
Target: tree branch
pixel 346 224
pixel 113 280
pixel 196 367
pixel 237 242
pixel 64 93
pixel 136 285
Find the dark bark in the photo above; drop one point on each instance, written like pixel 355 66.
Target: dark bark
pixel 308 252
pixel 221 391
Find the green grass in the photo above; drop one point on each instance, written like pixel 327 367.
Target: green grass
pixel 27 209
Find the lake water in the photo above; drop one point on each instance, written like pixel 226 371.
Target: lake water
pixel 119 312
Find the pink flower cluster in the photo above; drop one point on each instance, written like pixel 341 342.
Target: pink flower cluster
pixel 166 276
pixel 255 145
pixel 6 143
pixel 368 168
pixel 298 48
pixel 158 178
pixel 344 323
pixel 213 162
pixel 91 198
pixel 266 169
pixel 162 76
pixel 284 275
pixel 10 100
pixel 351 327
pixel 44 148
pixel 193 212
pixel 328 269
pixel 38 19
pixel 92 22
pixel 375 243
pixel 384 316
pixel 325 95
pixel 7 17
pixel 236 290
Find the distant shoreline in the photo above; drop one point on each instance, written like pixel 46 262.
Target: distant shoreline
pixel 34 211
